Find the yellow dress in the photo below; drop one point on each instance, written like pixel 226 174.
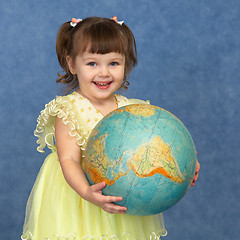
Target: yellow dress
pixel 54 210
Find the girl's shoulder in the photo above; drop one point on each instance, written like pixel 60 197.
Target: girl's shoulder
pixel 138 101
pixel 123 101
pixel 130 101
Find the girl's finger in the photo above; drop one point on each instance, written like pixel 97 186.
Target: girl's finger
pixel 98 186
pixel 111 199
pixel 110 207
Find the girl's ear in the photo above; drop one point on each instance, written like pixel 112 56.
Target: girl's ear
pixel 70 64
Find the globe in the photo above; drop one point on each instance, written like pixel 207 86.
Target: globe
pixel 145 155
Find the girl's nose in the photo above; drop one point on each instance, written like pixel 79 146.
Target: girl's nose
pixel 103 72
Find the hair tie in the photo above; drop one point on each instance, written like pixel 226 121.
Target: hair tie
pixel 75 21
pixel 116 20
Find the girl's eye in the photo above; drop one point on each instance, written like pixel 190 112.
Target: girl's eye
pixel 113 64
pixel 92 64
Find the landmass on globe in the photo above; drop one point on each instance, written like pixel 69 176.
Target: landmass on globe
pixel 149 159
pixel 155 157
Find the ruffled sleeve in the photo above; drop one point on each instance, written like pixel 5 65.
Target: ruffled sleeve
pixel 61 107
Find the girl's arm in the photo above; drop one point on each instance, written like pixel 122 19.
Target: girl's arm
pixel 69 154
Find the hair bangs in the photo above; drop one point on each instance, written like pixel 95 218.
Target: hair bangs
pixel 102 38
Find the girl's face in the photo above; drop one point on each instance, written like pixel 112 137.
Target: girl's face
pixel 99 75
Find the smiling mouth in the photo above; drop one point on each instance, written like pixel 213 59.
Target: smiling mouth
pixel 102 84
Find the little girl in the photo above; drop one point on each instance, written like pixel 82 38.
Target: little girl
pixel 96 55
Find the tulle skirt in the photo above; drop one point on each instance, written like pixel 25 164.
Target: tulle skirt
pixel 56 212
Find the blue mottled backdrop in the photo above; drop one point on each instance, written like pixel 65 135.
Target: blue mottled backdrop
pixel 189 64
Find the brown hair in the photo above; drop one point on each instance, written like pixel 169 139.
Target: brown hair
pixel 99 35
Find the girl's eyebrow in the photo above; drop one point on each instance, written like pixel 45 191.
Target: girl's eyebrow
pixel 89 58
pixel 110 59
pixel 117 58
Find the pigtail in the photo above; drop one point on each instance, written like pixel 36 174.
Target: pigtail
pixel 131 54
pixel 63 49
pixel 132 48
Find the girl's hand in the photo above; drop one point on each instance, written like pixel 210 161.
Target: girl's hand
pixel 196 174
pixel 95 196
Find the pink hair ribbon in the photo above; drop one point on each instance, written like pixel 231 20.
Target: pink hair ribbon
pixel 75 21
pixel 116 20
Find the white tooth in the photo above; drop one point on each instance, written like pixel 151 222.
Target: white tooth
pixel 102 84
